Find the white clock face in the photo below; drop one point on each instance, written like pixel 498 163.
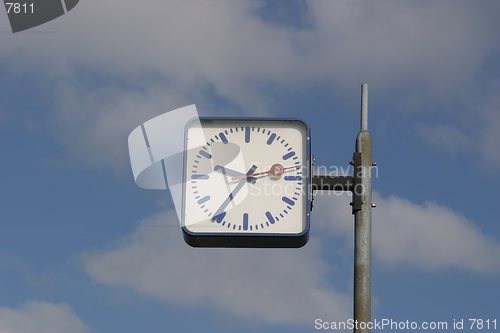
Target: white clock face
pixel 248 177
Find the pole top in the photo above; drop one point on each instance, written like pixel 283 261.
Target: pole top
pixel 364 107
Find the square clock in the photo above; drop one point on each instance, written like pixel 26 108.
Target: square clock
pixel 246 183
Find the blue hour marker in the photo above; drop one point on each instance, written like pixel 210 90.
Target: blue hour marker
pixel 293 178
pixel 288 155
pixel 223 138
pixel 271 139
pixel 245 221
pixel 219 217
pixel 247 134
pixel 270 217
pixel 204 199
pixel 199 176
pixel 288 201
pixel 205 154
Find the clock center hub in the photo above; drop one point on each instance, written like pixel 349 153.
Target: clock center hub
pixel 277 170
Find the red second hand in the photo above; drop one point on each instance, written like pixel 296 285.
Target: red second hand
pixel 278 174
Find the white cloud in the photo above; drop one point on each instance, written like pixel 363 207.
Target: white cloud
pixel 405 44
pixel 178 51
pixel 290 285
pixel 41 317
pixel 95 124
pixel 446 137
pixel 427 236
pixel 476 135
pixel 226 44
pixel 489 132
pixel 286 286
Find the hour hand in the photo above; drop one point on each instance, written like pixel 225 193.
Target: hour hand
pixel 227 171
pixel 233 173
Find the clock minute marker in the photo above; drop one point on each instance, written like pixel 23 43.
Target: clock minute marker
pixel 288 201
pixel 247 134
pixel 293 178
pixel 199 176
pixel 219 217
pixel 271 139
pixel 245 221
pixel 270 217
pixel 203 200
pixel 205 154
pixel 288 155
pixel 223 138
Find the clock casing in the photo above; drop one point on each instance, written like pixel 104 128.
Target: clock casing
pixel 248 184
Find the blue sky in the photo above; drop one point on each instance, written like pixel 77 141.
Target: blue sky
pixel 82 249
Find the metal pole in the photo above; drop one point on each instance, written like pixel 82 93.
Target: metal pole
pixel 362 206
pixel 364 107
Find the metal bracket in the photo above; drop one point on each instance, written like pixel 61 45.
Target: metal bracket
pixel 343 183
pixel 357 171
pixel 331 183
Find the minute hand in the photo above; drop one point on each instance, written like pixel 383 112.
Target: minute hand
pixel 233 194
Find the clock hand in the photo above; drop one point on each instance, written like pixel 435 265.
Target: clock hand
pixel 230 172
pixel 233 194
pixel 226 180
pixel 276 170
